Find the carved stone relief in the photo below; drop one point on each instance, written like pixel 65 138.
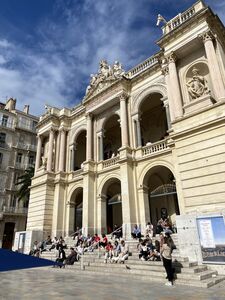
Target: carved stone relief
pixel 105 76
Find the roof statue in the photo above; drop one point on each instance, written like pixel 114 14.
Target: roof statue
pixel 105 75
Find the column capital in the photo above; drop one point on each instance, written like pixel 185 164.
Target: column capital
pixel 89 116
pixel 62 129
pixel 171 58
pixel 165 70
pixel 123 96
pixel 206 36
pixel 101 133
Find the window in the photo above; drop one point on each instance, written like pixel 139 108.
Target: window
pixel 19 158
pixel 34 125
pixel 5 120
pixel 2 139
pixel 1 158
pixel 31 160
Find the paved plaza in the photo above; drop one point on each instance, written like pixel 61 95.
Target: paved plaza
pixel 48 283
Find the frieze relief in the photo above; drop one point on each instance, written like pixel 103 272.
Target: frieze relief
pixel 104 78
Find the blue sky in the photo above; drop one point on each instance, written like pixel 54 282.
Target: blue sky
pixel 49 48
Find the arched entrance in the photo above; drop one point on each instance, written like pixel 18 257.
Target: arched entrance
pixel 153 122
pixel 111 196
pixel 8 235
pixel 79 150
pixel 112 137
pixel 77 209
pixel 162 194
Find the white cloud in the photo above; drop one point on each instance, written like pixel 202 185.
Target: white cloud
pixel 56 70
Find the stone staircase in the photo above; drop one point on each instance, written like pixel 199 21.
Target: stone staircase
pixel 187 273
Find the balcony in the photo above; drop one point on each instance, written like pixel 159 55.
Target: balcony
pixel 14 210
pixel 28 147
pixel 155 148
pixel 25 126
pixel 110 162
pixel 23 166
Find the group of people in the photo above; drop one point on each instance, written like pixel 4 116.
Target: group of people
pixel 159 250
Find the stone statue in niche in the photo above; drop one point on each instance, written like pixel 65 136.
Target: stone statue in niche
pixel 197 85
pixel 44 162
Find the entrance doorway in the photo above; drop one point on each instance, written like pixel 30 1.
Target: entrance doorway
pixel 163 201
pixel 76 208
pixel 8 235
pixel 112 190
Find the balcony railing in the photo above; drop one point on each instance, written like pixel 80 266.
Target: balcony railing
pixel 151 61
pixel 77 173
pixel 182 17
pixel 26 126
pixel 110 162
pixel 153 148
pixel 23 166
pixel 14 210
pixel 23 146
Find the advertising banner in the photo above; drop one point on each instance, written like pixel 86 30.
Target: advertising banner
pixel 211 232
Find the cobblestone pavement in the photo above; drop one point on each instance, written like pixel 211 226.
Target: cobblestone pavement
pixel 48 283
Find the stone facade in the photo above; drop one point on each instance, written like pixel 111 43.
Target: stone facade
pixel 141 143
pixel 17 152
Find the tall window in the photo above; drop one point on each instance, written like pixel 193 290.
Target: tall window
pixel 31 160
pixel 5 120
pixel 2 139
pixel 1 158
pixel 19 158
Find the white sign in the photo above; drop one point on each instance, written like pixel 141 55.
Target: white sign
pixel 206 232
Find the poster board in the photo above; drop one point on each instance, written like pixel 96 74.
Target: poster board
pixel 211 230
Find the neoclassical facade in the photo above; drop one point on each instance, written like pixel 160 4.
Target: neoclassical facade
pixel 141 144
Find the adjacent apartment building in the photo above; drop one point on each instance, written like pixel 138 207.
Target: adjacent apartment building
pixel 142 144
pixel 17 153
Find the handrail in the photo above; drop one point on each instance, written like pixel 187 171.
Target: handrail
pixel 80 230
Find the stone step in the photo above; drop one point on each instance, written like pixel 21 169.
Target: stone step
pixel 197 276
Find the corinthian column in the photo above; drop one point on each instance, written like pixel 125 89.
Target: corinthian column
pixel 89 138
pixel 213 64
pixel 137 128
pixel 123 118
pixel 50 150
pixel 165 72
pixel 62 150
pixel 175 91
pixel 38 154
pixel 100 136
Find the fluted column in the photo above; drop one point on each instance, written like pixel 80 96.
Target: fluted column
pixel 89 138
pixel 165 72
pixel 57 152
pixel 213 64
pixel 100 136
pixel 72 154
pixel 137 131
pixel 166 105
pixel 62 150
pixel 38 154
pixel 175 91
pixel 50 150
pixel 123 119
